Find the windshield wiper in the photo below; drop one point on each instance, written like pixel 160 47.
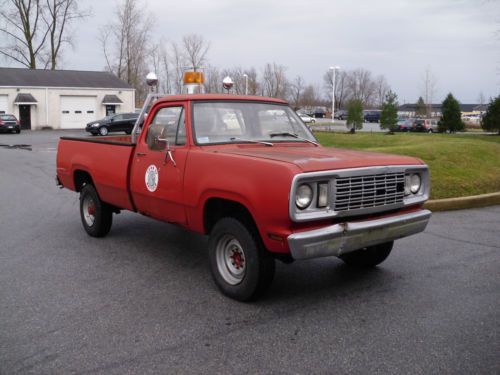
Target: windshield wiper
pixel 251 141
pixel 282 134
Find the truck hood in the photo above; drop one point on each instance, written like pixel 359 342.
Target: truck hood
pixel 311 158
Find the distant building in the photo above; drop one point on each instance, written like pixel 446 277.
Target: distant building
pixel 409 109
pixel 62 99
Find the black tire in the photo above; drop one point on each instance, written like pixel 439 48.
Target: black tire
pixel 18 130
pixel 103 131
pixel 369 256
pixel 97 216
pixel 241 267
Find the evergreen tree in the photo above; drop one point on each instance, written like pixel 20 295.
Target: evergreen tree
pixel 355 115
pixel 420 108
pixel 451 116
pixel 491 119
pixel 389 114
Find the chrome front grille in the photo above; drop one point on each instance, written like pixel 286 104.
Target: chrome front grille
pixel 358 192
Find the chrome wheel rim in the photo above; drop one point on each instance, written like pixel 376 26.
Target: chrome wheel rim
pixel 88 209
pixel 103 131
pixel 231 261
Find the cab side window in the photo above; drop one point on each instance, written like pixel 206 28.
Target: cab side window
pixel 166 126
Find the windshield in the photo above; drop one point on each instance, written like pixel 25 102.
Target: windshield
pixel 7 117
pixel 230 122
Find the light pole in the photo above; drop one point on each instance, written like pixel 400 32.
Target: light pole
pixel 246 83
pixel 333 68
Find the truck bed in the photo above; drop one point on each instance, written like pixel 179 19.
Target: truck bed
pixel 105 159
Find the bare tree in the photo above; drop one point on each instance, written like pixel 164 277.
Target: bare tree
pixel 125 45
pixel 22 27
pixel 178 61
pixel 37 30
pixel 361 86
pixel 296 90
pixel 165 69
pixel 341 91
pixel 311 96
pixel 429 82
pixel 196 49
pixel 381 90
pixel 213 80
pixel 58 15
pixel 253 83
pixel 274 81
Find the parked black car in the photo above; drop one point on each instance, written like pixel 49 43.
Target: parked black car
pixel 9 123
pixel 340 114
pixel 404 125
pixel 121 122
pixel 372 116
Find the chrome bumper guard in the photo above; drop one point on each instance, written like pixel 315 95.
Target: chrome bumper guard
pixel 345 237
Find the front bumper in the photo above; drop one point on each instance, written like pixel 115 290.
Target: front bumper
pixel 345 237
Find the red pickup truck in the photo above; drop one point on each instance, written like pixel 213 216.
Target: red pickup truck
pixel 247 172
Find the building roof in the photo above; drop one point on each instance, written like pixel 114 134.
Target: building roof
pixel 111 99
pixel 25 99
pixel 411 107
pixel 59 78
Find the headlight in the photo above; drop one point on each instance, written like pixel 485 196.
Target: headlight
pixel 303 197
pixel 413 183
pixel 95 124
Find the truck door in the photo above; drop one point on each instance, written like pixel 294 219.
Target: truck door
pixel 157 170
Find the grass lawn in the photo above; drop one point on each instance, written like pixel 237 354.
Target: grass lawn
pixel 460 165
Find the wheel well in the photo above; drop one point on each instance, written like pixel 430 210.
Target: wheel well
pixel 82 178
pixel 217 208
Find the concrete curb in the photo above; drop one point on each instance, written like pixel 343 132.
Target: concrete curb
pixel 461 203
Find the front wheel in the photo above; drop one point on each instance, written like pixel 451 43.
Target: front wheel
pixel 368 256
pixel 241 267
pixel 103 130
pixel 96 215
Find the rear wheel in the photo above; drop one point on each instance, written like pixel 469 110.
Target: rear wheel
pixel 368 256
pixel 96 215
pixel 103 130
pixel 241 267
pixel 18 130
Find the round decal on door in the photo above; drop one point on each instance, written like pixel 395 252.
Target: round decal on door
pixel 151 178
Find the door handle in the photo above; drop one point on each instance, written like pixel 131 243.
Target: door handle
pixel 140 154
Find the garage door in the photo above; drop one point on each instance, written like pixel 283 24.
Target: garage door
pixel 76 111
pixel 3 104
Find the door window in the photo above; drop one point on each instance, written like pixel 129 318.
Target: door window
pixel 166 126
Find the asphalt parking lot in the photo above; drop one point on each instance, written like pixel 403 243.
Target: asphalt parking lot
pixel 141 300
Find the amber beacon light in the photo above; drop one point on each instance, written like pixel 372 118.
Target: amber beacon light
pixel 194 77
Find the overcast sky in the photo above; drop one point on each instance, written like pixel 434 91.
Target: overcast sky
pixel 456 39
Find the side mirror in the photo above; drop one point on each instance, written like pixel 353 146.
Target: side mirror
pixel 162 143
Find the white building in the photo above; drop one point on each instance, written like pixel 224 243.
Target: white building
pixel 62 99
